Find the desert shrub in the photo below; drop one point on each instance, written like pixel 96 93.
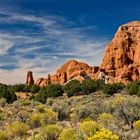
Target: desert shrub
pixel 2 102
pixel 34 89
pixel 3 136
pixel 125 108
pixel 26 102
pixel 62 109
pixel 1 116
pixel 110 89
pixel 73 88
pixel 68 134
pixel 23 116
pixel 50 101
pixel 83 112
pixel 104 134
pixel 49 117
pixel 40 108
pixel 36 120
pixel 50 132
pixel 54 90
pixel 17 129
pixel 105 119
pixel 42 95
pixel 89 127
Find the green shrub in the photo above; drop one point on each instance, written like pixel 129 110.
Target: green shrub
pixel 5 93
pixel 110 89
pixel 34 89
pixel 27 88
pixel 133 88
pixel 42 95
pixel 54 90
pixel 73 88
pixel 50 132
pixel 88 86
pixel 16 88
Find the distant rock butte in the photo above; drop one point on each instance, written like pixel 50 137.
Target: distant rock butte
pixel 122 56
pixel 121 61
pixel 29 79
pixel 70 70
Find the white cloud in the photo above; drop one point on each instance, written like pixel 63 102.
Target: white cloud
pixel 5 45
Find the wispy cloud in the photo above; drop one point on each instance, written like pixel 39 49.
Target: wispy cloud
pixel 42 44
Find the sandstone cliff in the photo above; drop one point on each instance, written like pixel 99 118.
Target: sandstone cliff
pixel 122 56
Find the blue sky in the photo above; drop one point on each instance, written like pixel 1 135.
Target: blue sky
pixel 41 35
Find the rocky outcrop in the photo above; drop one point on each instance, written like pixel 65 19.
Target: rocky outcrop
pixel 70 70
pixel 29 79
pixel 122 56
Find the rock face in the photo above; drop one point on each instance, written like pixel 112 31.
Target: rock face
pixel 29 79
pixel 70 70
pixel 122 56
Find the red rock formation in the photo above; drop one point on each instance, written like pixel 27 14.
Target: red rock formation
pixel 122 56
pixel 29 79
pixel 70 70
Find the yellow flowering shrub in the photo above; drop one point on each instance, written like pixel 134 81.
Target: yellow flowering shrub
pixel 68 134
pixel 3 136
pixel 50 117
pixel 118 100
pixel 104 134
pixel 89 127
pixel 105 118
pixel 50 132
pixel 36 120
pixel 17 129
pixel 136 125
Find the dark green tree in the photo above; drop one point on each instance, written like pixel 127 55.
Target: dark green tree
pixel 73 88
